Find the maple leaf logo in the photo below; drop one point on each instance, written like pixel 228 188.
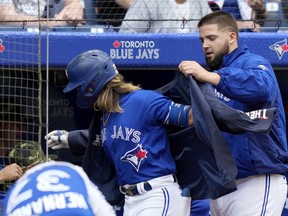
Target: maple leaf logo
pixel 2 47
pixel 116 44
pixel 285 47
pixel 141 154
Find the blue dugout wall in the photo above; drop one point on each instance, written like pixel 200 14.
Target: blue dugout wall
pixel 135 51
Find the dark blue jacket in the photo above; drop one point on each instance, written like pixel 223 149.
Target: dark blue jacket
pixel 95 162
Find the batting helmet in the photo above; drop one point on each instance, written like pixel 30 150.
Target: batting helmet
pixel 89 71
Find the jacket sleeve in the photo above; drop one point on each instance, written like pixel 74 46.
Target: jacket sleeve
pixel 235 121
pixel 254 82
pixel 78 141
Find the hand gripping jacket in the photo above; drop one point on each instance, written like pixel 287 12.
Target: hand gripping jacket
pixel 211 171
pixel 89 71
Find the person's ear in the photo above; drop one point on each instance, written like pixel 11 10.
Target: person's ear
pixel 232 37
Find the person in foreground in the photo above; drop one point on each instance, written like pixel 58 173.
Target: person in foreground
pixel 247 82
pixel 133 134
pixel 55 188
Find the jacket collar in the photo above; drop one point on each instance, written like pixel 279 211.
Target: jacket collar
pixel 228 59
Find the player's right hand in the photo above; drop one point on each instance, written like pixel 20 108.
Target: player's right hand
pixel 57 139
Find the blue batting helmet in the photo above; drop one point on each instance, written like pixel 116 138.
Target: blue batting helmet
pixel 89 71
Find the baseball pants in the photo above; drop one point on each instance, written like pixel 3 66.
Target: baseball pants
pixel 165 199
pixel 261 195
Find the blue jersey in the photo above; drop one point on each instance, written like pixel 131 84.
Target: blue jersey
pixel 136 140
pixel 55 188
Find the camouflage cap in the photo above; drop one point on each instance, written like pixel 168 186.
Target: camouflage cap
pixel 26 153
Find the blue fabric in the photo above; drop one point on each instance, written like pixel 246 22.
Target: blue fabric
pixel 285 211
pixel 95 162
pixel 241 68
pixel 136 140
pixel 221 158
pixel 200 207
pixel 185 145
pixel 188 147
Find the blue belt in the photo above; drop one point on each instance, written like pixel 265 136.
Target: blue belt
pixel 132 189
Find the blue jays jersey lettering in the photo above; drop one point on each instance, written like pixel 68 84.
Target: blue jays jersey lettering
pixel 136 142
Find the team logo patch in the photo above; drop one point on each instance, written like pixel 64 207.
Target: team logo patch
pixel 135 156
pixel 280 47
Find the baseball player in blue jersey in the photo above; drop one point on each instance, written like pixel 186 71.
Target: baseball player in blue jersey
pixel 55 189
pixel 133 134
pixel 245 81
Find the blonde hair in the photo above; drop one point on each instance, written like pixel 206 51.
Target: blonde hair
pixel 108 99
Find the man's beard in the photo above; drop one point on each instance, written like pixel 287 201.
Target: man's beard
pixel 216 63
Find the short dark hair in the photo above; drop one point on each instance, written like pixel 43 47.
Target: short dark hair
pixel 222 18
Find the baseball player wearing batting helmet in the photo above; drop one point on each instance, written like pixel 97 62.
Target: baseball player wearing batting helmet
pixel 133 134
pixel 55 188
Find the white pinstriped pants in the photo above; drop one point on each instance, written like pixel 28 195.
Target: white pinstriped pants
pixel 262 195
pixel 165 199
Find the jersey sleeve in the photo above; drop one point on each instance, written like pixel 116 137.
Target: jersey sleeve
pixel 157 106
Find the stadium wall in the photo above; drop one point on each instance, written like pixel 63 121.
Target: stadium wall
pixel 131 51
